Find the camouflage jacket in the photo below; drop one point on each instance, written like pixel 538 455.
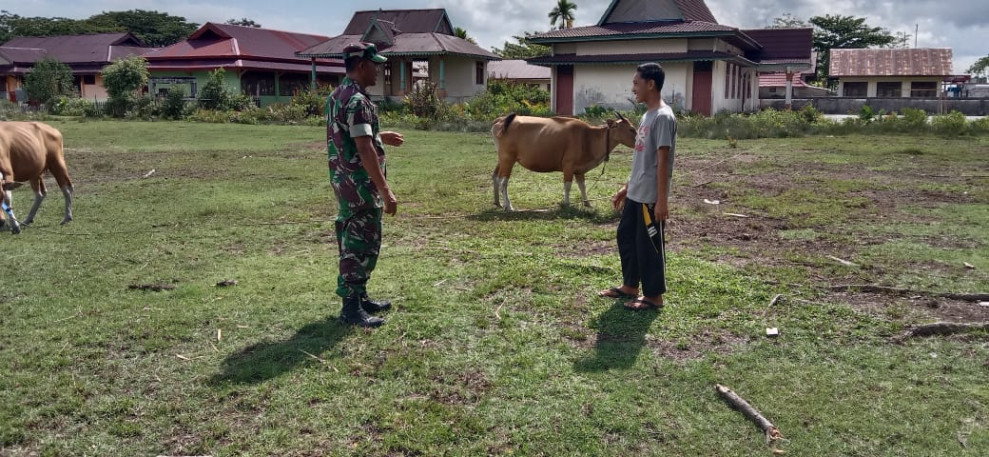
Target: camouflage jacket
pixel 350 113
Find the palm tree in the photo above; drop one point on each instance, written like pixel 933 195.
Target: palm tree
pixel 563 12
pixel 461 33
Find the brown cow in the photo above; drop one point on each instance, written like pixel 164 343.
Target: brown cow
pixel 555 144
pixel 27 150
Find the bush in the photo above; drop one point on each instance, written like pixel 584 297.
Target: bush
pixel 952 124
pixel 238 102
pixel 503 97
pixel 423 101
pixel 213 95
pixel 49 80
pixel 314 101
pixel 73 106
pixel 173 104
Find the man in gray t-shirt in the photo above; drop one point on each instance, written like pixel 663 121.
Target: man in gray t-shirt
pixel 644 199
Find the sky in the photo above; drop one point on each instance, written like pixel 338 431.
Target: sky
pixel 961 26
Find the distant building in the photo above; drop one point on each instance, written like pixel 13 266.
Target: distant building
pixel 86 55
pixel 257 62
pixel 520 71
pixel 890 73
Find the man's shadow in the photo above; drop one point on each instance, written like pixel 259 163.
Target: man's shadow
pixel 621 337
pixel 266 360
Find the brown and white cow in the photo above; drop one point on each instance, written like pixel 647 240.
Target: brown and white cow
pixel 27 150
pixel 555 144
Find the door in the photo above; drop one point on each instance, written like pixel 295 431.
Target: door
pixel 564 90
pixel 700 101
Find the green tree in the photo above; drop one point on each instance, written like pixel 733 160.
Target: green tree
pixel 524 49
pixel 214 95
pixel 563 13
pixel 844 32
pixel 122 79
pixel 244 22
pixel 154 28
pixel 979 68
pixel 48 80
pixel 462 33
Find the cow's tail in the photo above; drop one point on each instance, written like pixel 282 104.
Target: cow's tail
pixel 505 123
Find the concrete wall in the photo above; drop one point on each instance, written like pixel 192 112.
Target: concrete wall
pixel 611 85
pixel 873 84
pixel 461 78
pixel 596 48
pixel 841 105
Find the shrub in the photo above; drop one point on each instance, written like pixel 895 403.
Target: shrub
pixel 423 101
pixel 867 114
pixel 122 79
pixel 49 80
pixel 238 102
pixel 173 104
pixel 73 106
pixel 952 124
pixel 314 101
pixel 810 114
pixel 213 95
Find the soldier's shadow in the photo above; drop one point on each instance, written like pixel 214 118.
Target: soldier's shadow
pixel 621 337
pixel 266 360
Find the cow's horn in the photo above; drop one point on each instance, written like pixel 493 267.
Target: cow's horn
pixel 620 116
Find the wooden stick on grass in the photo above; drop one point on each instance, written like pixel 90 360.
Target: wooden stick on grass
pixel 739 403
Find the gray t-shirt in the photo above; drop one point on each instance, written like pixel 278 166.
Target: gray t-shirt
pixel 658 128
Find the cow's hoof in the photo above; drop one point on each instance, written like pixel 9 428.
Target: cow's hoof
pixel 66 220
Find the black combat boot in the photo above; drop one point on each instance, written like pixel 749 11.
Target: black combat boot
pixel 353 313
pixel 373 306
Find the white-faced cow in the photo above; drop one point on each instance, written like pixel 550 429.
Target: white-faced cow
pixel 554 144
pixel 27 150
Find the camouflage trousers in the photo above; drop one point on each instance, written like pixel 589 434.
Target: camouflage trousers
pixel 359 239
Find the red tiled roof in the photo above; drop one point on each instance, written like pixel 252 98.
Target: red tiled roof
pixel 74 49
pixel 891 62
pixel 406 21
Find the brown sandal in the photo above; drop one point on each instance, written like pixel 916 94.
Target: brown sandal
pixel 614 292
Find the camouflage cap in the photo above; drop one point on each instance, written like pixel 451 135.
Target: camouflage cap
pixel 363 50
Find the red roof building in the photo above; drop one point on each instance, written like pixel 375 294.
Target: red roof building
pixel 890 73
pixel 86 55
pixel 257 62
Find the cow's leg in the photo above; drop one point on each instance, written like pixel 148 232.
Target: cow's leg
pixel 567 183
pixel 494 185
pixel 38 186
pixel 505 172
pixel 583 190
pixel 15 227
pixel 61 174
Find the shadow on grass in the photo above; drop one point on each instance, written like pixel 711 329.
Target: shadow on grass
pixel 549 214
pixel 266 360
pixel 621 337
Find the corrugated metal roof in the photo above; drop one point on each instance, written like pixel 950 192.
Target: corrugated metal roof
pixel 74 49
pixel 779 80
pixel 406 44
pixel 222 40
pixel 783 44
pixel 624 30
pixel 406 21
pixel 689 10
pixel 517 69
pixel 891 62
pixel 692 56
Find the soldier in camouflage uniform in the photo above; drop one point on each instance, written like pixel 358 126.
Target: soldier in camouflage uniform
pixel 357 173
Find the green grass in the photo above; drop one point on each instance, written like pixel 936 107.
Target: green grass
pixel 498 344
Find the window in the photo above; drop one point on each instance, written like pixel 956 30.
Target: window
pixel 858 89
pixel 258 84
pixel 889 89
pixel 89 79
pixel 291 84
pixel 480 73
pixel 923 89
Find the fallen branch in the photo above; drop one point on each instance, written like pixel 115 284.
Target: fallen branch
pixel 946 328
pixel 894 291
pixel 739 403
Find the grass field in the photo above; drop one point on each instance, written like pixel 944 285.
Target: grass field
pixel 498 344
